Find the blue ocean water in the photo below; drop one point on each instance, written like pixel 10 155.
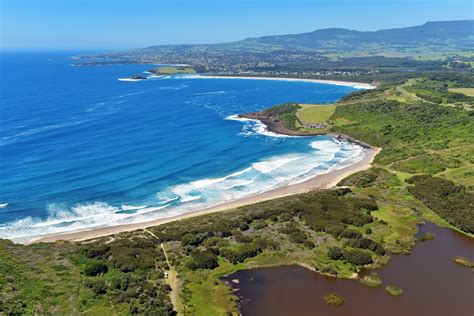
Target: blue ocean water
pixel 81 149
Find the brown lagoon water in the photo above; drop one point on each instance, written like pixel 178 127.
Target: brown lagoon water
pixel 433 284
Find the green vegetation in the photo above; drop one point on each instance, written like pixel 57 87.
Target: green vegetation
pixel 172 70
pixel 418 136
pixel 439 92
pixel 385 56
pixel 334 299
pixel 371 280
pixel 316 113
pixel 120 275
pixel 394 290
pixel 370 178
pixel 424 171
pixel 464 262
pixel 124 273
pixel 466 91
pixel 311 114
pixel 452 202
pixel 426 236
pixel 285 114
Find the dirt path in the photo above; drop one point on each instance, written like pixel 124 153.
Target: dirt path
pixel 409 95
pixel 173 282
pixel 172 279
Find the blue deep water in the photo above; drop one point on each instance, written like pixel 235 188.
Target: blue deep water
pixel 81 149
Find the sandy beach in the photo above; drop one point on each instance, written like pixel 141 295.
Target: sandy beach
pixel 357 85
pixel 321 181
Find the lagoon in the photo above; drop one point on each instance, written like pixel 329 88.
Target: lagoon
pixel 432 284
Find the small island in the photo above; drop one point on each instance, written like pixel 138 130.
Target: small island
pixel 426 236
pixel 372 280
pixel 394 290
pixel 334 299
pixel 138 77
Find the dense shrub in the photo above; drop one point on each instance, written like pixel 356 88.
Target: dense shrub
pixel 128 256
pixel 452 202
pixel 354 256
pixel 331 211
pixel 202 259
pixel 97 286
pixel 95 267
pixel 192 239
pixel 240 253
pixel 243 226
pixel 122 282
pixel 349 233
pixel 372 177
pixel 365 243
pixel 97 251
pixel 336 253
pixel 357 257
pixel 329 269
pixel 259 224
pixel 297 237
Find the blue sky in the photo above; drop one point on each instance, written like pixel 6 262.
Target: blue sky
pixel 118 24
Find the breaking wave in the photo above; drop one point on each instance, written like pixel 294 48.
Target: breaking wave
pixel 323 155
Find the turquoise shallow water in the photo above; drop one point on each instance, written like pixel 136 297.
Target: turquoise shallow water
pixel 79 148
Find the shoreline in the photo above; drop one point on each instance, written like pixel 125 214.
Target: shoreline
pixel 277 128
pixel 322 181
pixel 356 85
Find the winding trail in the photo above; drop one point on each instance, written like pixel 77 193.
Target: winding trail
pixel 172 279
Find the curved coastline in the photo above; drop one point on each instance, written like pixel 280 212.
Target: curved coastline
pixel 321 181
pixel 325 180
pixel 356 85
pixel 273 127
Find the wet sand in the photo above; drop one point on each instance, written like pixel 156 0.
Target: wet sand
pixel 321 181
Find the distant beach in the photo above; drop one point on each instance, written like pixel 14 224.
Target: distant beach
pixel 356 85
pixel 321 181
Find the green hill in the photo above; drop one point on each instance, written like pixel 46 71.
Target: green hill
pixel 444 36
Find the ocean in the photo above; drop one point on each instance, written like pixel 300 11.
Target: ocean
pixel 80 148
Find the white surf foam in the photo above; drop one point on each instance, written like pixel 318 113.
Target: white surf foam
pixel 132 207
pixel 323 155
pixel 164 200
pixel 272 164
pixel 189 198
pixel 77 218
pixel 129 79
pixel 255 127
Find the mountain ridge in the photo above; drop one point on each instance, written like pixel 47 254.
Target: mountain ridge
pixel 432 35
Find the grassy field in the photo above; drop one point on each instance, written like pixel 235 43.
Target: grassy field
pixel 466 91
pixel 172 70
pixel 313 113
